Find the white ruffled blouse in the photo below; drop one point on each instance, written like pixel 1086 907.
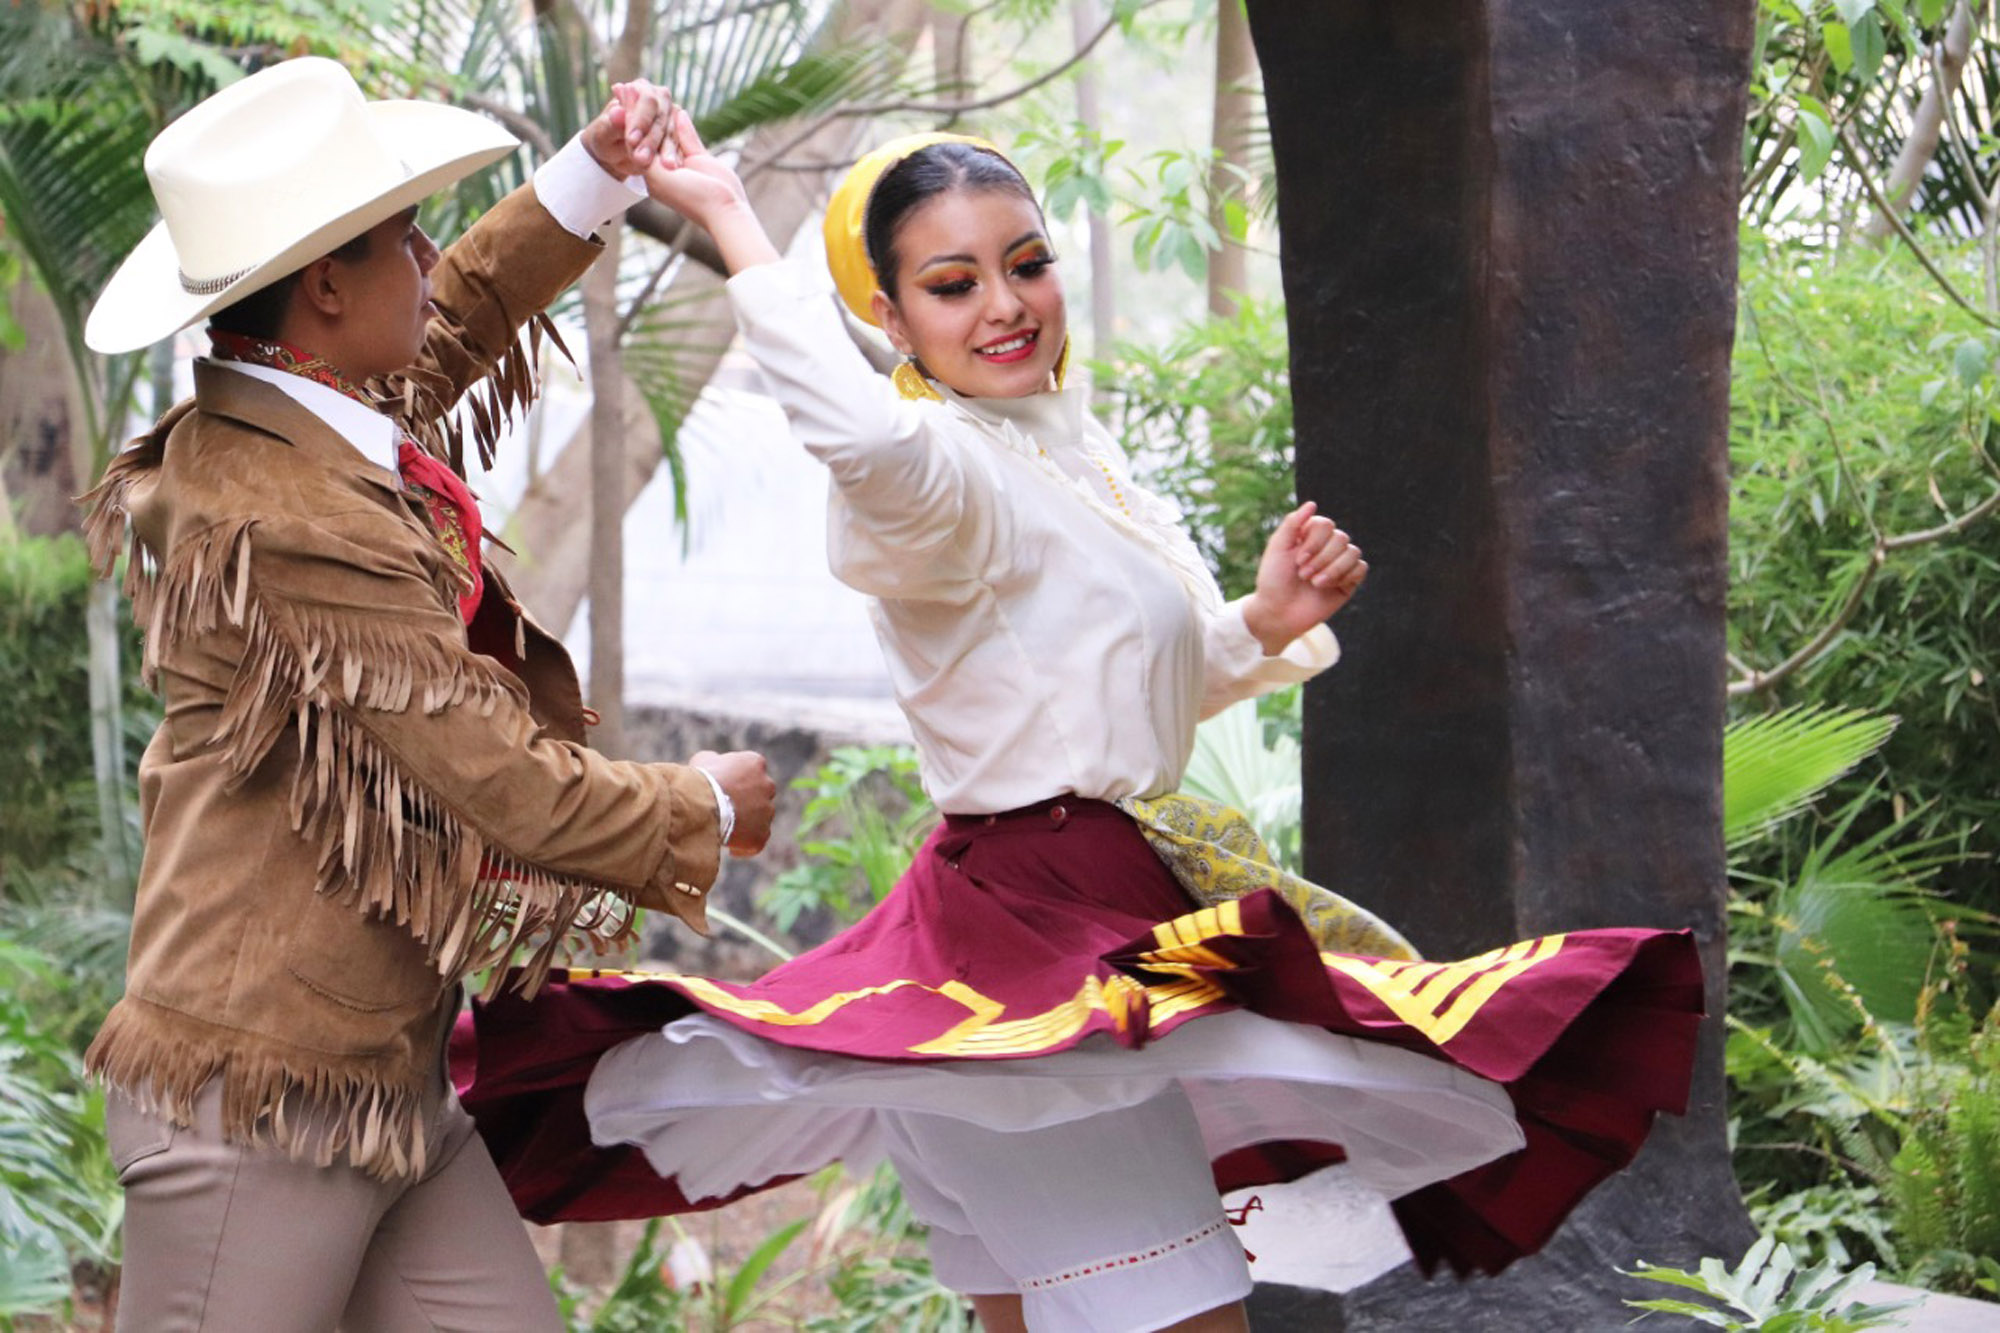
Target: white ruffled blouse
pixel 1048 624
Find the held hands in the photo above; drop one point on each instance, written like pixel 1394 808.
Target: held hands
pixel 631 133
pixel 692 182
pixel 750 789
pixel 1309 571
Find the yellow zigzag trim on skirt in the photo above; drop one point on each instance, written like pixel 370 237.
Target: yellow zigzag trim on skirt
pixel 1417 992
pixel 1181 952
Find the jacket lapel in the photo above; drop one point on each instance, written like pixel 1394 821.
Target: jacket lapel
pixel 263 407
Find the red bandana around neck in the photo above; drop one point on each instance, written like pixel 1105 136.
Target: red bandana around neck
pixel 454 513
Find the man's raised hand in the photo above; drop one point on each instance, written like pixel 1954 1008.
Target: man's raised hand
pixel 632 132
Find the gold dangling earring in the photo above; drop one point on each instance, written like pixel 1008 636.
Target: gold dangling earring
pixel 1062 363
pixel 911 384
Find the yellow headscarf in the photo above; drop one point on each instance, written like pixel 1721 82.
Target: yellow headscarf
pixel 847 245
pixel 847 211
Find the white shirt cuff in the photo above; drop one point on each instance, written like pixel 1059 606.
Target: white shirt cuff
pixel 1236 649
pixel 582 195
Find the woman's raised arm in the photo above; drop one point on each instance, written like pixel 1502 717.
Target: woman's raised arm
pixel 708 193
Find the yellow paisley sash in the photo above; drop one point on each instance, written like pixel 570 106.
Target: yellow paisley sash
pixel 1217 856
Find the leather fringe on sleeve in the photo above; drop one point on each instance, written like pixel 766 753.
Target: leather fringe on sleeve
pixel 386 844
pixel 421 402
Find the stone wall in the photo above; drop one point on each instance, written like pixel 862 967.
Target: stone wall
pixel 795 743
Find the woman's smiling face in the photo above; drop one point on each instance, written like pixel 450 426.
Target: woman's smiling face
pixel 978 302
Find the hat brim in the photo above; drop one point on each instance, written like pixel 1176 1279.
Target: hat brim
pixel 145 301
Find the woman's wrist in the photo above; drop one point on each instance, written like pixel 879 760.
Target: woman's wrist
pixel 1271 636
pixel 740 237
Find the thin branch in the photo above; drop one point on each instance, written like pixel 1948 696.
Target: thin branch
pixel 806 166
pixel 1772 161
pixel 1819 407
pixel 996 99
pixel 730 921
pixel 522 125
pixel 675 250
pixel 1764 680
pixel 1905 541
pixel 1751 681
pixel 1909 239
pixel 653 219
pixel 746 169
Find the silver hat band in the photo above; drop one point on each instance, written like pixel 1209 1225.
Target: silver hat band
pixel 210 286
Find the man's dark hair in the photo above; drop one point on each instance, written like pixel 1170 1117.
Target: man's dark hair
pixel 917 179
pixel 262 313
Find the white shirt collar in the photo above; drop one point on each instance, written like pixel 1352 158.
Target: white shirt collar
pixel 372 434
pixel 1054 416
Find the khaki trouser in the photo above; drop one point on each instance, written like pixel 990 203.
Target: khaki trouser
pixel 228 1238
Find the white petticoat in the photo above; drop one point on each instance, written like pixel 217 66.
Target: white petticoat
pixel 717 1109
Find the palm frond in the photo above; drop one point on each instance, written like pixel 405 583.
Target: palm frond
pixel 1773 765
pixel 1855 933
pixel 811 83
pixel 72 190
pixel 1232 764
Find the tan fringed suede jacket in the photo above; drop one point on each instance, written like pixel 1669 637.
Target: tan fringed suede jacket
pixel 350 804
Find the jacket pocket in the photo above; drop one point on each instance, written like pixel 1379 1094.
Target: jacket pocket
pixel 361 962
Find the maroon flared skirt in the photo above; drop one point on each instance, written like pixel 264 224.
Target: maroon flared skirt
pixel 1015 937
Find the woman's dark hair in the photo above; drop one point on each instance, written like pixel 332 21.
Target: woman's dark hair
pixel 920 178
pixel 262 313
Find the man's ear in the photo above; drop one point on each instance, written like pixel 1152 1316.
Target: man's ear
pixel 319 288
pixel 891 322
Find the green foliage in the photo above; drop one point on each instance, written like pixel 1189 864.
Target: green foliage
pixel 1819 64
pixel 863 1247
pixel 1208 417
pixel 881 1279
pixel 1908 1116
pixel 45 763
pixel 1849 1036
pixel 645 1298
pixel 869 814
pixel 1835 1221
pixel 1860 465
pixel 1775 764
pixel 1768 1291
pixel 1846 931
pixel 13 337
pixel 640 1300
pixel 1072 165
pixel 1234 762
pixel 59 1201
pixel 1168 205
pixel 1944 1180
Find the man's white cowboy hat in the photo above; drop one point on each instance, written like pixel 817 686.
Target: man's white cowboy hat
pixel 268 175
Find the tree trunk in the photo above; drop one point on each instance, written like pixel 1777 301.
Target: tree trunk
pixel 607 452
pixel 1926 124
pixel 1084 21
pixel 1229 140
pixel 606 530
pixel 43 427
pixel 107 735
pixel 1510 252
pixel 951 55
pixel 550 575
